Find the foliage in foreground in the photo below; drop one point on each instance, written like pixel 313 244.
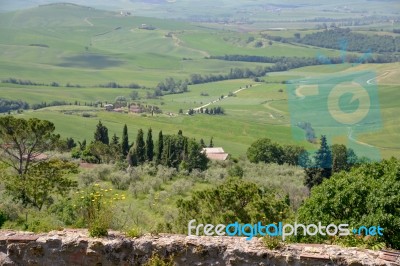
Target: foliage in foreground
pixel 234 200
pixel 368 195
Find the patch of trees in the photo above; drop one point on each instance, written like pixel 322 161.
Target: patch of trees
pixel 326 160
pixel 264 150
pixel 170 86
pixel 39 45
pixel 217 110
pixel 309 131
pixel 233 200
pixel 33 83
pixel 285 63
pixel 356 42
pixel 33 181
pixel 113 84
pixel 36 106
pixel 367 195
pixel 11 105
pixel 175 151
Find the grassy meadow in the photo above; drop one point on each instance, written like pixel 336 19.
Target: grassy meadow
pixel 89 47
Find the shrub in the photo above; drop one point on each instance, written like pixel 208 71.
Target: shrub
pixel 95 207
pixel 368 195
pixel 272 242
pixel 134 232
pixel 233 200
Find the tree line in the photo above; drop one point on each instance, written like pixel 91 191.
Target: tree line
pixel 175 151
pixel 355 42
pixel 296 62
pixel 7 105
pixel 321 165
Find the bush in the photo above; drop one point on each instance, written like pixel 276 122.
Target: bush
pixel 3 217
pixel 368 195
pixel 181 186
pixel 272 243
pixel 120 180
pixel 134 232
pixel 233 201
pixel 95 208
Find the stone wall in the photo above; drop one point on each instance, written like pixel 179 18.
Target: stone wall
pixel 74 247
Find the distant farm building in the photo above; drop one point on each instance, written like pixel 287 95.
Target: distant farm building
pixel 135 109
pixel 217 154
pixel 109 107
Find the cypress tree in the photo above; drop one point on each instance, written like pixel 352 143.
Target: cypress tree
pixel 140 147
pixel 202 144
pixel 132 157
pixel 211 143
pixel 149 146
pixel 160 147
pixel 101 133
pixel 115 140
pixel 125 141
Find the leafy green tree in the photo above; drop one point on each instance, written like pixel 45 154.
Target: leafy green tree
pixel 101 133
pixel 149 146
pixel 343 158
pixel 234 200
pixel 195 159
pixel 294 155
pixel 368 195
pixel 264 150
pixel 160 147
pixel 236 171
pixel 140 147
pixel 42 181
pixel 102 152
pixel 125 141
pixel 22 141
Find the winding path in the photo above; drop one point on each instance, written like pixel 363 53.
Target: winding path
pixel 88 22
pixel 220 99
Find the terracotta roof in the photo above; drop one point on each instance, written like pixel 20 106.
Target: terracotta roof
pixel 216 153
pixel 214 150
pixel 217 156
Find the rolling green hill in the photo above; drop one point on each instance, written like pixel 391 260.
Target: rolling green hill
pixel 72 44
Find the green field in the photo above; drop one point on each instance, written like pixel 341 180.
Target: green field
pixel 91 47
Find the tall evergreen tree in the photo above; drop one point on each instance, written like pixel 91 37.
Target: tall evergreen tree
pixel 125 141
pixel 132 157
pixel 323 156
pixel 202 144
pixel 140 147
pixel 195 158
pixel 101 133
pixel 115 140
pixel 211 143
pixel 322 167
pixel 160 147
pixel 149 146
